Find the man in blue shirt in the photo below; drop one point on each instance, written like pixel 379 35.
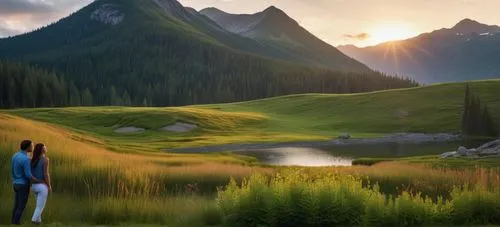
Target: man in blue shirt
pixel 21 179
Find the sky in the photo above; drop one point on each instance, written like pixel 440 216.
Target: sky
pixel 338 22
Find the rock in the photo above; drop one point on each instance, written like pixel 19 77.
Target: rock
pixel 179 127
pixel 462 151
pixel 129 130
pixel 450 154
pixel 491 149
pixel 344 136
pixel 492 144
pixel 473 151
pixel 108 14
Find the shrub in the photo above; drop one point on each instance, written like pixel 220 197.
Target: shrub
pixel 475 206
pixel 292 198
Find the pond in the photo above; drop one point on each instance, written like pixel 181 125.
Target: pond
pixel 343 155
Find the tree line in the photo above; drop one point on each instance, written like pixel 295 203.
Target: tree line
pixel 29 87
pixel 133 66
pixel 25 86
pixel 476 118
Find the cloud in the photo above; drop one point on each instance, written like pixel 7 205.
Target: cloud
pixel 6 30
pixel 8 7
pixel 18 16
pixel 360 36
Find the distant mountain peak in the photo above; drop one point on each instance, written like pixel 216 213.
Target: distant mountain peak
pixel 212 9
pixel 276 16
pixel 466 23
pixel 468 26
pixel 272 9
pixel 191 10
pixel 284 35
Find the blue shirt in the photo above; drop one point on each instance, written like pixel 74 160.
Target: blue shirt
pixel 38 171
pixel 21 169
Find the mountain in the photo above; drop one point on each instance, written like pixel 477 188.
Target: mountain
pixel 467 51
pixel 275 29
pixel 158 53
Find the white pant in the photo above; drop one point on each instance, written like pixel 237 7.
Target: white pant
pixel 41 192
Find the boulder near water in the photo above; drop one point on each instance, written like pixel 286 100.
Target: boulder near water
pixel 450 154
pixel 486 150
pixel 462 151
pixel 344 136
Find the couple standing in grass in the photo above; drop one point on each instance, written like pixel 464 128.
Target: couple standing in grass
pixel 30 173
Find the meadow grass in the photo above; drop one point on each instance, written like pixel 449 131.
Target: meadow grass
pixel 294 198
pixel 94 184
pixel 395 177
pixel 429 109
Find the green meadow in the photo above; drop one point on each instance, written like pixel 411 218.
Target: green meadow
pixel 105 178
pixel 430 109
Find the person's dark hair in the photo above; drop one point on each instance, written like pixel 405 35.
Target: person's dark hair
pixel 37 153
pixel 25 144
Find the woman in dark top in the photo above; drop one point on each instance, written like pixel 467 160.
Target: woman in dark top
pixel 40 170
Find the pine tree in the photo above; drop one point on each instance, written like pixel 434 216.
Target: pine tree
pixel 465 115
pixel 87 99
pixel 74 95
pixel 28 90
pixel 112 96
pixel 490 126
pixel 126 99
pixel 476 119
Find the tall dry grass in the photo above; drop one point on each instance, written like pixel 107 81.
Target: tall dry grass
pixel 396 177
pixel 94 185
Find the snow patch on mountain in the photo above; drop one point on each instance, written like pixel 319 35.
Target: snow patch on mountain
pixel 108 14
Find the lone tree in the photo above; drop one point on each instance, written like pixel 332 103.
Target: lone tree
pixel 477 120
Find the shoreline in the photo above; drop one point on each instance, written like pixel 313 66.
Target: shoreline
pixel 391 138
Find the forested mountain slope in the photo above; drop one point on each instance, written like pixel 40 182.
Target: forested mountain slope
pixel 274 28
pixel 153 53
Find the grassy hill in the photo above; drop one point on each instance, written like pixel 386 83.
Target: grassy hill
pixel 97 186
pixel 432 109
pixel 96 182
pixel 94 186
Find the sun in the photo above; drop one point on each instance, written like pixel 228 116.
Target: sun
pixel 391 32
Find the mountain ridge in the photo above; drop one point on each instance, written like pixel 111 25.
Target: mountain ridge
pixel 466 51
pixel 273 27
pixel 151 54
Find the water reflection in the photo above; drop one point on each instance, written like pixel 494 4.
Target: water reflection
pixel 391 150
pixel 342 155
pixel 294 156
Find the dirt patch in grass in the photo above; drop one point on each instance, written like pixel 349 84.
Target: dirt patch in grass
pixel 179 127
pixel 130 129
